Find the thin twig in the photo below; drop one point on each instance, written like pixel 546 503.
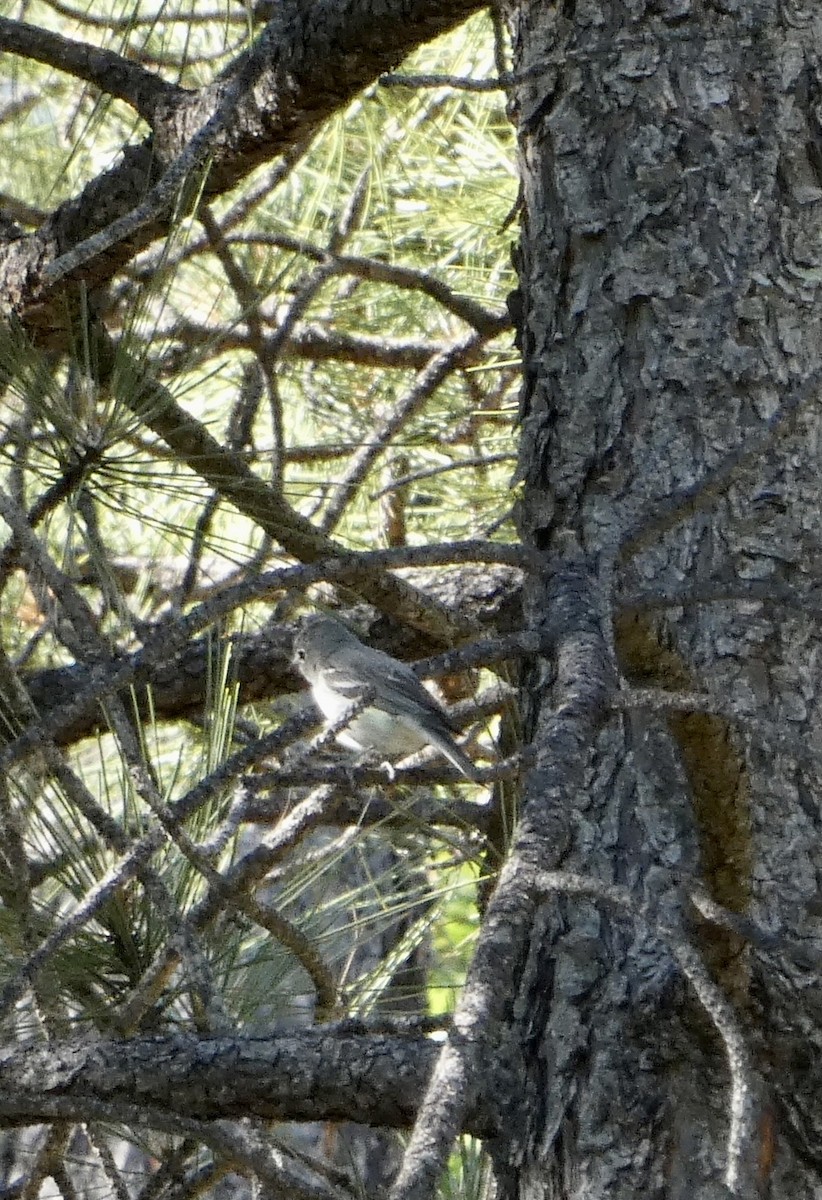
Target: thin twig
pixel 459 464
pixel 484 320
pixel 117 76
pixel 436 371
pixel 241 876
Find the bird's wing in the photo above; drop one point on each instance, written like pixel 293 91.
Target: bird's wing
pixel 397 690
pixel 341 681
pixel 402 691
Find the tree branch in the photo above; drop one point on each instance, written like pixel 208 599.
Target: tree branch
pixel 168 640
pixel 227 472
pixel 312 61
pixel 314 1075
pixel 108 71
pixel 561 744
pixel 486 322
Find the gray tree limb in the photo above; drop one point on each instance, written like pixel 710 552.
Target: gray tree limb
pixel 312 1075
pixel 144 90
pixel 309 62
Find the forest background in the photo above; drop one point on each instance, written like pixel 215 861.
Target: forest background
pixel 494 331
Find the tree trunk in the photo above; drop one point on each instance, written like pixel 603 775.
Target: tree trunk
pixel 669 318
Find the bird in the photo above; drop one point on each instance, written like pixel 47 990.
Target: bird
pixel 401 717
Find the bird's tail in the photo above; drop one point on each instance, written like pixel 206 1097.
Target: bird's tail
pixel 455 754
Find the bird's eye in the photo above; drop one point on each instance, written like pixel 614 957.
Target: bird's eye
pixel 300 654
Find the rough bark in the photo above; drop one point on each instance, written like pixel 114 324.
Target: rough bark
pixel 669 269
pixel 669 264
pixel 309 62
pixel 332 1075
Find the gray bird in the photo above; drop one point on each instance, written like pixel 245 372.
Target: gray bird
pixel 402 717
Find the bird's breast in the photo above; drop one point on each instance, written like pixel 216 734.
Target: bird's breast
pixel 372 729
